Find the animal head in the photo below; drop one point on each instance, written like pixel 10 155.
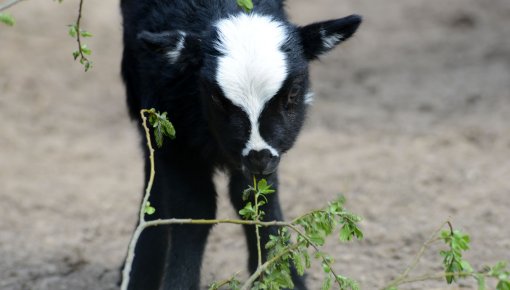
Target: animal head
pixel 253 79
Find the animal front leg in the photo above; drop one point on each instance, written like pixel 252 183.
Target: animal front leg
pixel 151 247
pixel 189 193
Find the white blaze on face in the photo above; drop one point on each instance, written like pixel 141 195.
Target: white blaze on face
pixel 252 68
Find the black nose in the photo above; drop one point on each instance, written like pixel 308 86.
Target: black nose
pixel 260 162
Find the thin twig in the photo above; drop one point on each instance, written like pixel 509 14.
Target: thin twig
pixel 434 276
pixel 402 277
pixel 172 221
pixel 257 232
pixel 78 34
pixel 451 227
pixel 142 223
pixel 152 169
pixel 8 4
pixel 219 284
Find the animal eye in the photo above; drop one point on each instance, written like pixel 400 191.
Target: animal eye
pixel 293 96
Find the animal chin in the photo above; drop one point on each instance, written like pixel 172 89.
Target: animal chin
pixel 264 174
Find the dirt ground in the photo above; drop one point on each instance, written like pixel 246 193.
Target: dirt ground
pixel 410 123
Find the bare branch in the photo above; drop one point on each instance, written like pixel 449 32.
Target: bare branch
pixel 142 223
pixel 433 276
pixel 402 278
pixel 257 232
pixel 8 4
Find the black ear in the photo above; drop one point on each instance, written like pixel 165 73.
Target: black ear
pixel 175 46
pixel 321 37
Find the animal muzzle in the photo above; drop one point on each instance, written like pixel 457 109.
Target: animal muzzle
pixel 260 162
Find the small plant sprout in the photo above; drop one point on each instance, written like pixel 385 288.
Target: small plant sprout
pixel 453 263
pixel 161 125
pixel 149 209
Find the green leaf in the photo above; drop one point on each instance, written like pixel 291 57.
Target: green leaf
pixel 480 279
pixel 317 239
pixel 88 65
pixel 345 233
pixel 7 19
pixel 263 187
pixel 298 263
pixel 325 268
pixel 84 33
pixel 148 209
pixel 247 5
pixel 85 49
pixel 347 283
pixel 246 193
pixel 503 285
pixel 158 137
pixel 248 212
pixel 234 284
pixel 76 54
pixel 152 118
pixel 449 278
pixel 498 269
pixel 326 284
pixel 72 30
pixel 358 233
pixel 168 128
pixel 466 267
pixel 273 240
pixel 162 126
pixel 306 256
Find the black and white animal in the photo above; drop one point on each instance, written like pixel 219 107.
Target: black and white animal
pixel 235 85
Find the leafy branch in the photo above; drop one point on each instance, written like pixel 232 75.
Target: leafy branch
pixel 75 31
pixel 455 267
pixel 310 229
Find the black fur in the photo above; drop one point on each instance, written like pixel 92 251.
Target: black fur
pixel 211 131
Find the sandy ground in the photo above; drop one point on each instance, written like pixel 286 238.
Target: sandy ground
pixel 411 123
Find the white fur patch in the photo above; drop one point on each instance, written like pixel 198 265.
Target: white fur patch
pixel 252 68
pixel 175 53
pixel 309 97
pixel 329 41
